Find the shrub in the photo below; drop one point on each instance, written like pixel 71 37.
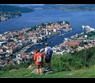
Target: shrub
pixel 58 64
pixel 9 67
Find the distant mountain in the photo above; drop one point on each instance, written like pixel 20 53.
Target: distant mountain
pixel 8 8
pixel 7 11
pixel 23 5
pixel 68 7
pixel 64 7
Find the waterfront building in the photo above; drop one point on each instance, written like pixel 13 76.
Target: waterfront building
pixel 47 32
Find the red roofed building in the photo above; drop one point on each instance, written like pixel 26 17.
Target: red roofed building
pixel 72 43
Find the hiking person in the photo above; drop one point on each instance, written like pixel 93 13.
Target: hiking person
pixel 48 55
pixel 38 58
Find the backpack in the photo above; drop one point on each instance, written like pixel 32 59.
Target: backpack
pixel 39 59
pixel 49 52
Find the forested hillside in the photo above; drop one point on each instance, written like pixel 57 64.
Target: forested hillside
pixel 7 11
pixel 7 8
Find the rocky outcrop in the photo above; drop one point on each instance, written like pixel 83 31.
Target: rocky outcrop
pixel 34 71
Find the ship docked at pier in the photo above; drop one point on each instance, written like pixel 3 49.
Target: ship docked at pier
pixel 88 28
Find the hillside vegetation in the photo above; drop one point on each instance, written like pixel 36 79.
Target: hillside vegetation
pixel 7 12
pixel 7 8
pixel 73 65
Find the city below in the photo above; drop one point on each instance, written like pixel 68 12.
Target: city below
pixel 18 44
pixel 13 45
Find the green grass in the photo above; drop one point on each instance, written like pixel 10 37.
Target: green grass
pixel 26 73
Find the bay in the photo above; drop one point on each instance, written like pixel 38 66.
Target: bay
pixel 77 19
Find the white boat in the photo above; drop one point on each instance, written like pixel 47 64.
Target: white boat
pixel 61 34
pixel 88 28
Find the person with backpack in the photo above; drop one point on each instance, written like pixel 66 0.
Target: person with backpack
pixel 48 55
pixel 38 58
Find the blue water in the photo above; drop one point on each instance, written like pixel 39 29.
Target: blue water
pixel 77 19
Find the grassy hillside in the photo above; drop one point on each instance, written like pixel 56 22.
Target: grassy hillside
pixel 71 65
pixel 26 73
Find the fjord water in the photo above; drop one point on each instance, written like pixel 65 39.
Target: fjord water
pixel 77 19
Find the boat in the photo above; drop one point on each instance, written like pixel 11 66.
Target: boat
pixel 61 34
pixel 88 28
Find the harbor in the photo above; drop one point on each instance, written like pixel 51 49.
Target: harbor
pixel 19 26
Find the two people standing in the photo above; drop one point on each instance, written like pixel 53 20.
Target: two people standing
pixel 46 56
